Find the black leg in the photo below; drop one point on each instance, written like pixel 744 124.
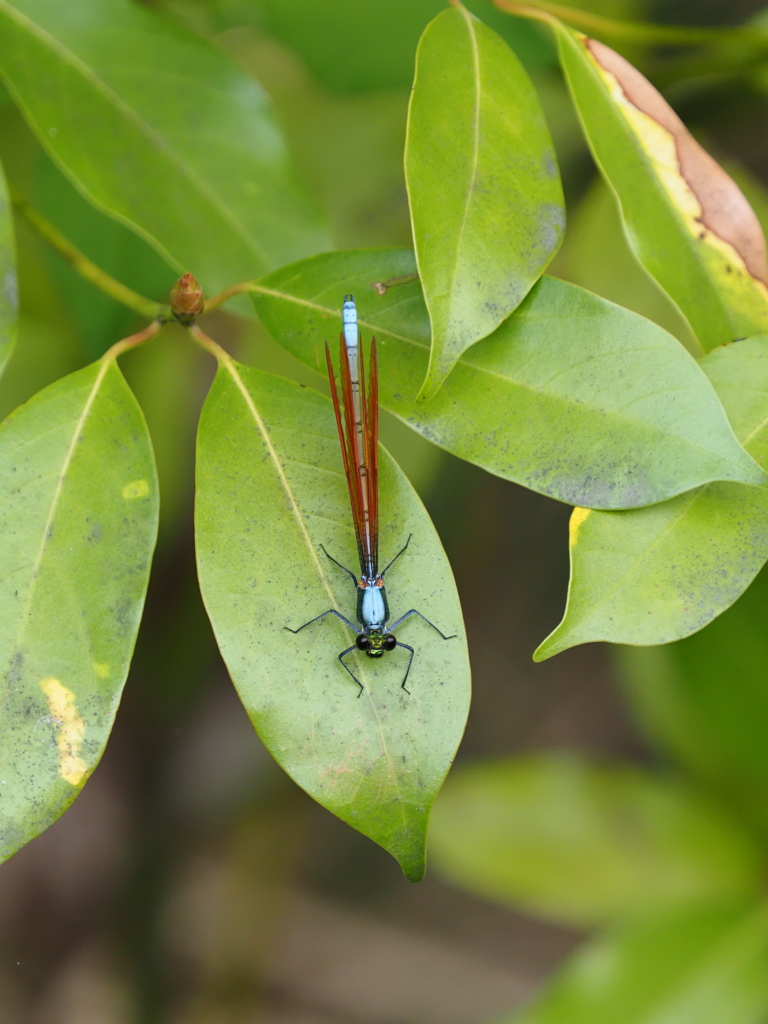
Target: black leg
pixel 413 611
pixel 331 611
pixel 341 659
pixel 347 571
pixel 410 659
pixel 402 549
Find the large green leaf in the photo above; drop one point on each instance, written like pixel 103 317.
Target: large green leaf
pixel 657 574
pixel 159 129
pixel 582 844
pixel 78 520
pixel 572 396
pixel 483 185
pixel 8 282
pixel 270 492
pixel 698 967
pixel 686 219
pixel 705 700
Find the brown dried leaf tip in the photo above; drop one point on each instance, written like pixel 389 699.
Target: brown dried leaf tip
pixel 710 199
pixel 187 300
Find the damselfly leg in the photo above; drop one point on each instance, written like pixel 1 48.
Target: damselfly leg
pixel 331 611
pixel 402 549
pixel 408 669
pixel 413 611
pixel 354 647
pixel 342 656
pixel 346 570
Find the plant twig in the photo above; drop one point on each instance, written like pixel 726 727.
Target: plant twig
pixel 637 31
pixel 86 268
pixel 382 287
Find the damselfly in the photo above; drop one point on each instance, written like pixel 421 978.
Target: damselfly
pixel 359 439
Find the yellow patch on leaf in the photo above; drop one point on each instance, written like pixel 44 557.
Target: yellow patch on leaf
pixel 577 518
pixel 136 489
pixel 70 730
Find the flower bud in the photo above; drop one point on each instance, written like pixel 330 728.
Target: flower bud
pixel 187 299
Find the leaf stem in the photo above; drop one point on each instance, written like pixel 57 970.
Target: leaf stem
pixel 212 347
pixel 642 32
pixel 135 339
pixel 216 300
pixel 85 267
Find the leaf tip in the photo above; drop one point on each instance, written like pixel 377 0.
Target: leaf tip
pixel 542 652
pixel 554 644
pixel 429 389
pixel 414 870
pixel 748 471
pixel 437 374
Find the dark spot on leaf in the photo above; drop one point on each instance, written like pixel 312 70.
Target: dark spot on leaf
pixel 16 669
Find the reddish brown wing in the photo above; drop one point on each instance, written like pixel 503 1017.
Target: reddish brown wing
pixel 347 442
pixel 371 425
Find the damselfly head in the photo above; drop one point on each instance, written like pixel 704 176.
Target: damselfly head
pixel 375 644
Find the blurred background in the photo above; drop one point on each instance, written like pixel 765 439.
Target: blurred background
pixel 192 882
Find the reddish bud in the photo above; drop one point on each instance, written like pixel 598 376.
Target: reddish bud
pixel 187 299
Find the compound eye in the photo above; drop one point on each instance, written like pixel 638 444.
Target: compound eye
pixel 389 643
pixel 362 643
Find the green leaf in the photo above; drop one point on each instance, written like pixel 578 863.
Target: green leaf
pixel 654 575
pixel 78 520
pixel 158 128
pixel 703 966
pixel 686 219
pixel 704 700
pixel 582 844
pixel 483 185
pixel 572 396
pixel 9 301
pixel 270 491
